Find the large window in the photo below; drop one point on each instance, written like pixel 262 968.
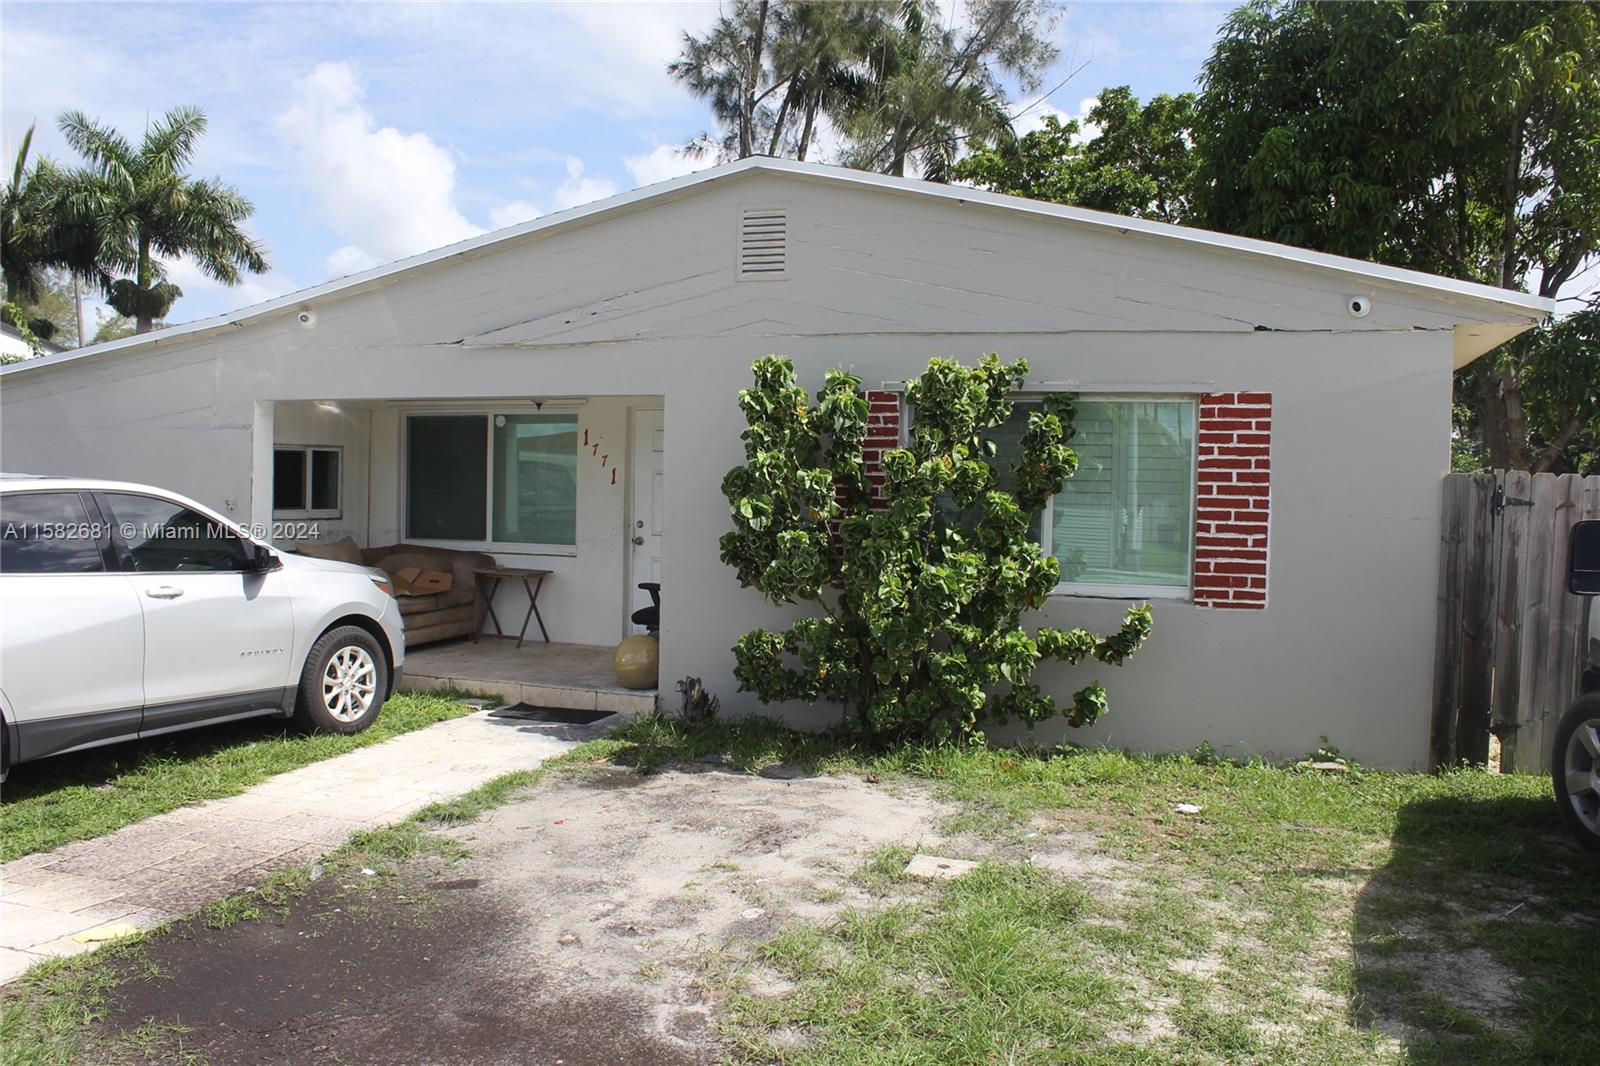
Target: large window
pixel 492 478
pixel 1124 524
pixel 305 482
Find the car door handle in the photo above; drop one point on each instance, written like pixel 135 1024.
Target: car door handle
pixel 164 592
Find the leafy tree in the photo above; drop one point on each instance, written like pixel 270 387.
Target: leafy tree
pixel 1140 162
pixel 55 304
pixel 899 85
pixel 771 68
pixel 114 327
pixel 1557 368
pixel 1462 139
pixel 930 87
pixel 146 206
pixel 921 601
pixel 40 230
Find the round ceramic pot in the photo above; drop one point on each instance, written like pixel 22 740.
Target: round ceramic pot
pixel 637 661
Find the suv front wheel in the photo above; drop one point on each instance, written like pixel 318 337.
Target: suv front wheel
pixel 1575 769
pixel 343 683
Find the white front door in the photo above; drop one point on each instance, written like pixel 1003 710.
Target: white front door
pixel 644 523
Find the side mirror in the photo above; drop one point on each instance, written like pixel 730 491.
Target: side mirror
pixel 263 560
pixel 1583 559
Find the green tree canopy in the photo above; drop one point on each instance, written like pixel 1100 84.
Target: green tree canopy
pixel 1461 139
pixel 900 85
pixel 1139 162
pixel 146 206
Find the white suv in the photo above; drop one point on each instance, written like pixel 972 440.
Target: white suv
pixel 126 612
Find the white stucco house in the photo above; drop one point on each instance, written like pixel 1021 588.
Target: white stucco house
pixel 1263 437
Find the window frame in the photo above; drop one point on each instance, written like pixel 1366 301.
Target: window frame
pixel 488 413
pixel 1101 590
pixel 308 511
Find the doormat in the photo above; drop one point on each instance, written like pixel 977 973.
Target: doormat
pixel 551 715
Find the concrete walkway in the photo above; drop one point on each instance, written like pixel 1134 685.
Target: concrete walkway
pixel 170 865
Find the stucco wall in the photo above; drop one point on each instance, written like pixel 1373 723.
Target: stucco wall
pixel 645 305
pixel 346 427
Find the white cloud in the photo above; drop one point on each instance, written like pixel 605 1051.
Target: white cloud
pixel 349 259
pixel 580 188
pixel 512 213
pixel 666 161
pixel 1034 118
pixel 252 288
pixel 389 194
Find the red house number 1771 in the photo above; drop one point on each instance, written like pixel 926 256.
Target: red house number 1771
pixel 605 460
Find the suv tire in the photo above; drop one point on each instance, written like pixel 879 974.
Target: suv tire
pixel 1575 769
pixel 343 684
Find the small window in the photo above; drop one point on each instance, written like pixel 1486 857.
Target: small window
pixel 492 478
pixel 164 537
pixel 1123 525
pixel 47 533
pixel 305 482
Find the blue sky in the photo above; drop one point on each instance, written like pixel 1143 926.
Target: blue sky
pixel 366 132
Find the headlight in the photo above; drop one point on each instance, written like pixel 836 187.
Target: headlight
pixel 383 584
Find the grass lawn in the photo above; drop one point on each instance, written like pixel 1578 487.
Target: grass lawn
pixel 89 794
pixel 1300 917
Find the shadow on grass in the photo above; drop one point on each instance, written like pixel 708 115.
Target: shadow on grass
pixel 81 795
pixel 1476 942
pixel 98 766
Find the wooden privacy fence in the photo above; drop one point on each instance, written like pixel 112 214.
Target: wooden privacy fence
pixel 1511 637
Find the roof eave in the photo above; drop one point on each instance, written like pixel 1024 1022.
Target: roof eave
pixel 1521 309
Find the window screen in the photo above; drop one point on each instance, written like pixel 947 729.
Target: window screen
pixel 288 479
pixel 1126 518
pixel 535 479
pixel 324 479
pixel 446 480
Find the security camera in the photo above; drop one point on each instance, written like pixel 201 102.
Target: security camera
pixel 308 318
pixel 1359 306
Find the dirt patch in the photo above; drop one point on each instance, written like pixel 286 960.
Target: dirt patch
pixel 576 932
pixel 410 972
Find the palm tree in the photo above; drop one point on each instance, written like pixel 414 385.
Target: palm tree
pixel 146 206
pixel 39 231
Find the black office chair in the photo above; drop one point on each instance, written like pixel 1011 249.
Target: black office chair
pixel 650 617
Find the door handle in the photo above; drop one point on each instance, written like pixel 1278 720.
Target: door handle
pixel 639 541
pixel 164 592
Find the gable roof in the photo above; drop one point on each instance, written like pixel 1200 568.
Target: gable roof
pixel 1485 301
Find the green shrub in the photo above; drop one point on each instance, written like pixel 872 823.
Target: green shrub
pixel 919 632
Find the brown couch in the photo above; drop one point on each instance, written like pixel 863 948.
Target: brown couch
pixel 456 612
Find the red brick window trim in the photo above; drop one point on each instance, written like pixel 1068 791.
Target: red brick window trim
pixel 1233 499
pixel 883 434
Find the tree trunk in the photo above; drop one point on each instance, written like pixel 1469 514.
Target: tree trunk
pixel 777 126
pixel 808 128
pixel 143 320
pixel 752 78
pixel 1505 422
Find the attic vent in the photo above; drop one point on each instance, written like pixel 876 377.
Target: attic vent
pixel 763 243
